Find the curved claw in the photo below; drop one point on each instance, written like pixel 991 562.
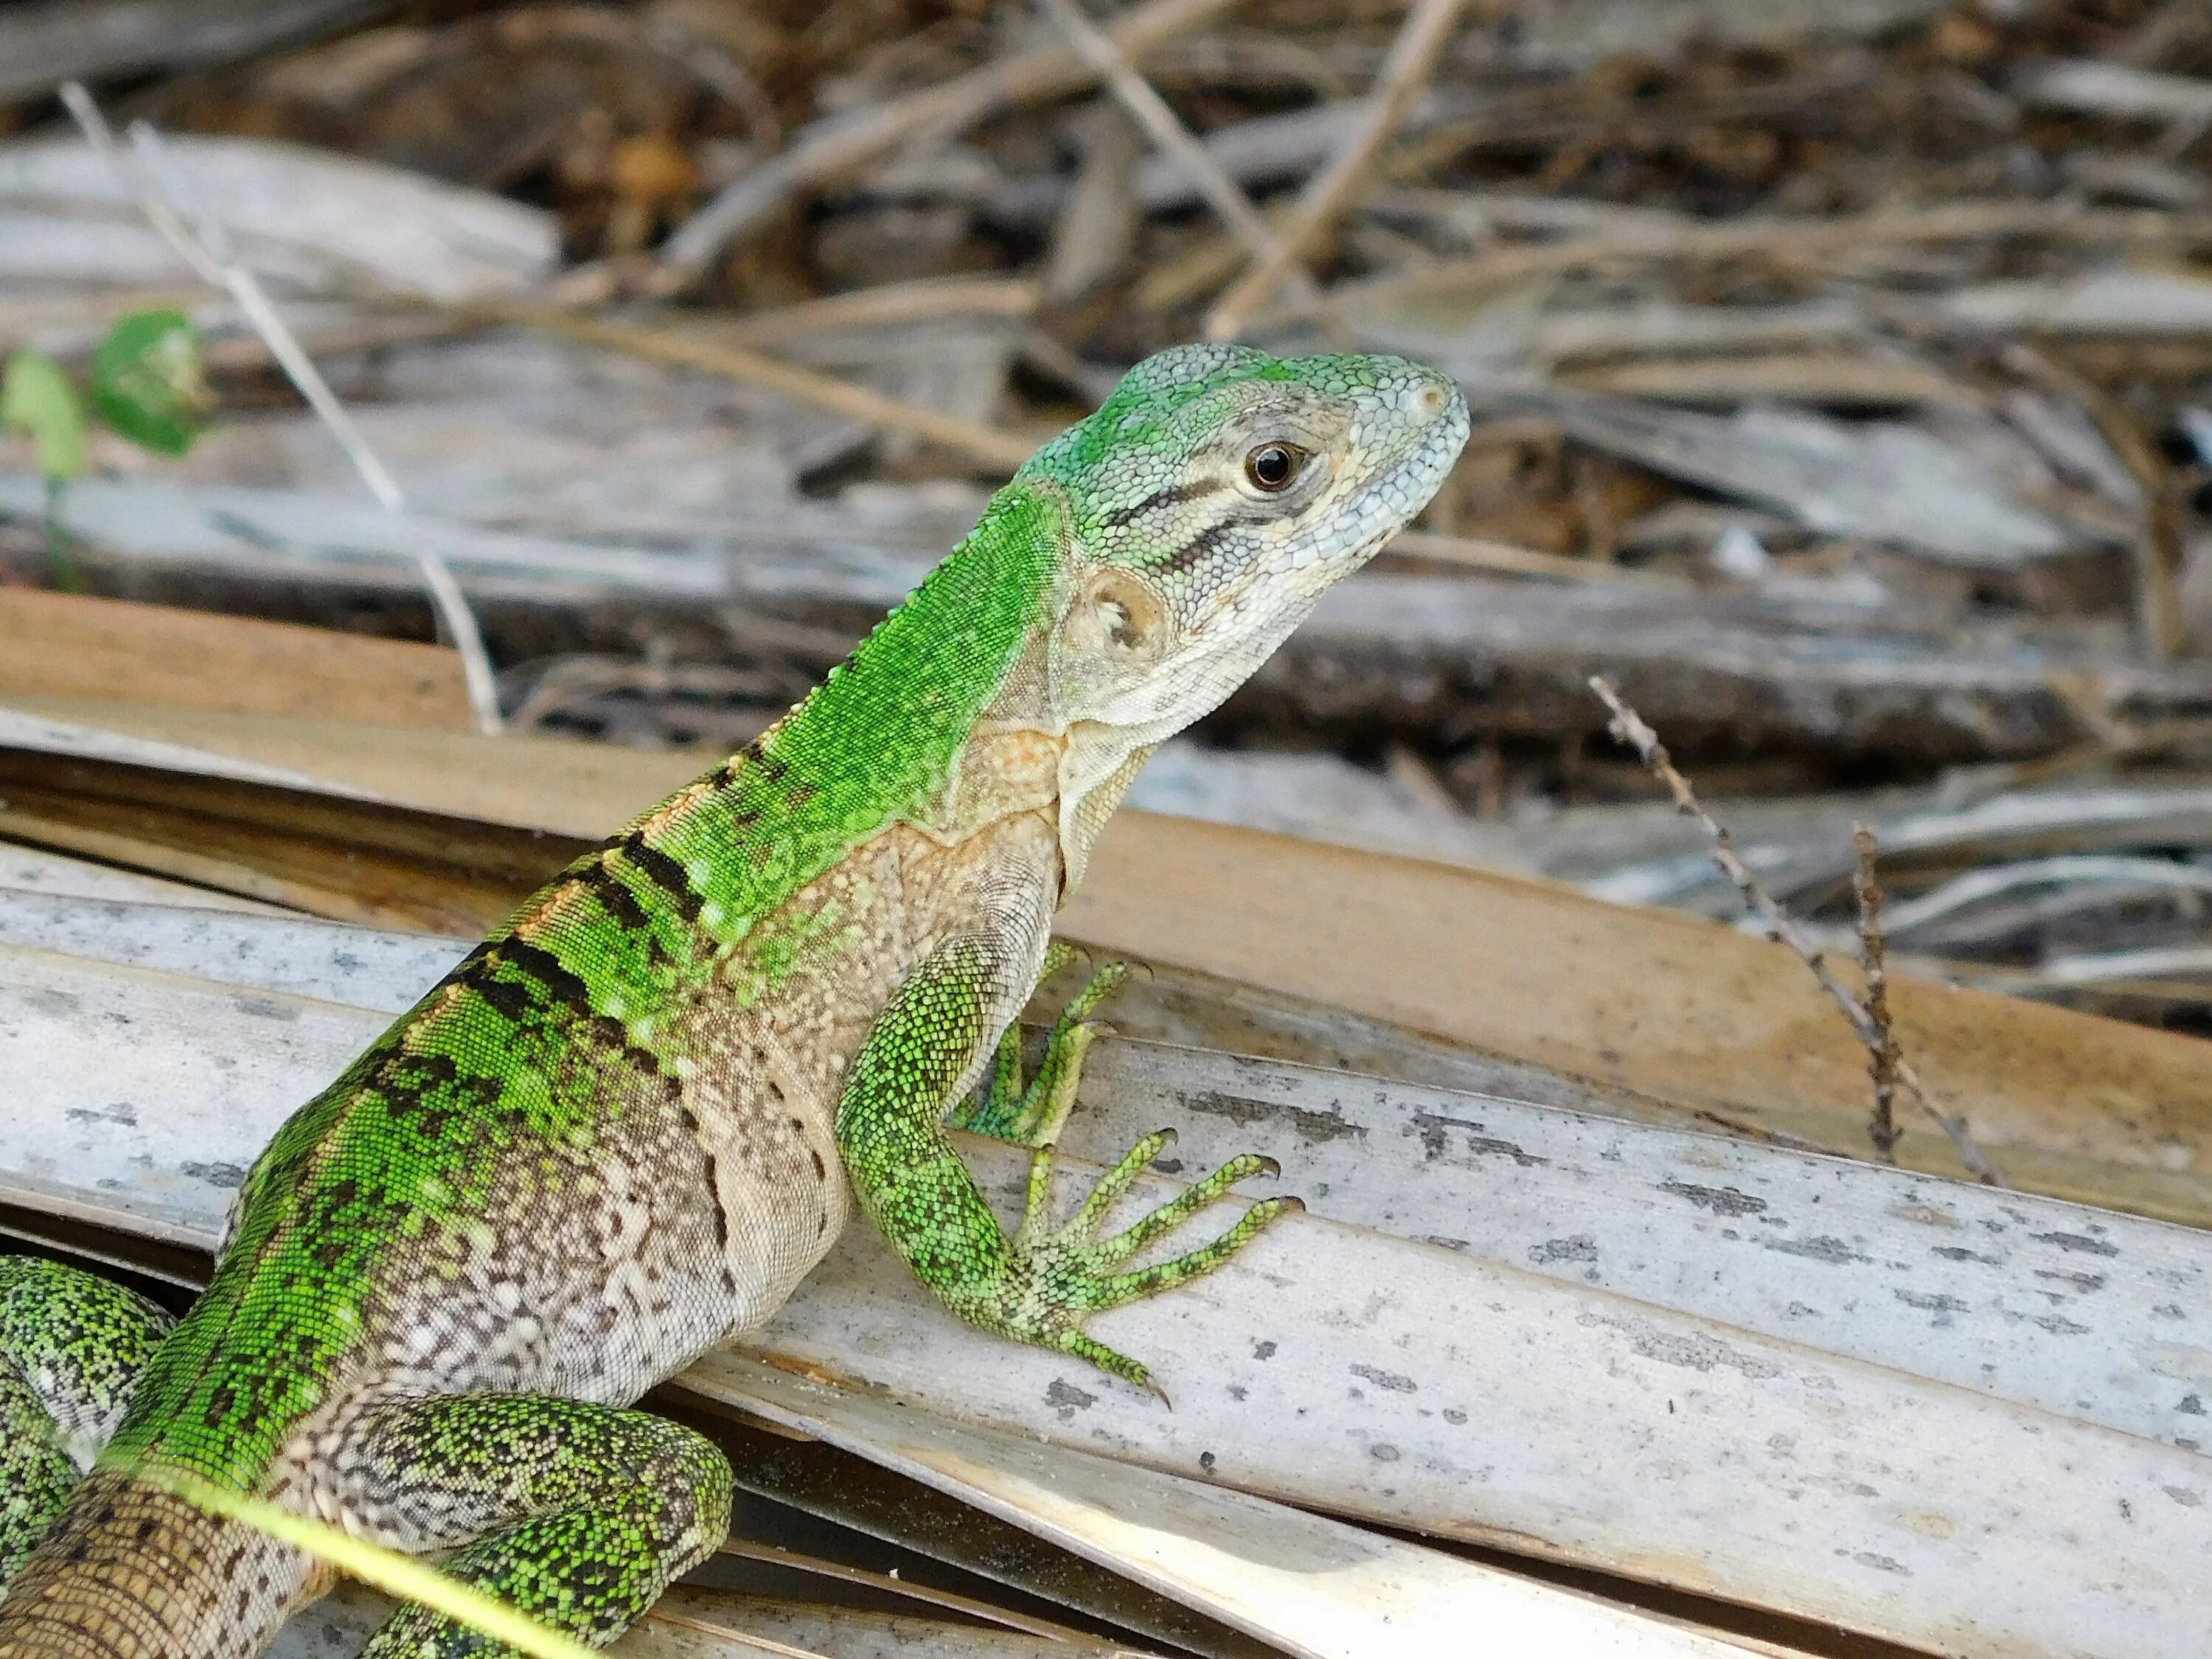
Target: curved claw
pixel 1180 1208
pixel 1092 1352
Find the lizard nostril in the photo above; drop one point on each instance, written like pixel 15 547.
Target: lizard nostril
pixel 1432 400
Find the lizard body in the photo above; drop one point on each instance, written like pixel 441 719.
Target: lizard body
pixel 628 1125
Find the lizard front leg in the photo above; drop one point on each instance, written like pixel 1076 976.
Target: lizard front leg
pixel 1037 1285
pixel 1033 1115
pixel 71 1347
pixel 578 1514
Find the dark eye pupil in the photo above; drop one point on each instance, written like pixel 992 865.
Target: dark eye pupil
pixel 1271 466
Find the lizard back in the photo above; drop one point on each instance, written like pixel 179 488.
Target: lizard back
pixel 506 1190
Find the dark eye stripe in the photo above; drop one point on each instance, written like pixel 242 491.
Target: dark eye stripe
pixel 1195 551
pixel 1173 494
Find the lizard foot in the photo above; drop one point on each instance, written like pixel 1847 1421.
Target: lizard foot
pixel 1032 1114
pixel 578 1514
pixel 1072 1271
pixel 72 1345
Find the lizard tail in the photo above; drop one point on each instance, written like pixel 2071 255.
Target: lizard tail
pixel 130 1571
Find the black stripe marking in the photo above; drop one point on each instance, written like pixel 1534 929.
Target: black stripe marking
pixel 560 984
pixel 512 1000
pixel 715 1198
pixel 663 873
pixel 1200 548
pixel 772 767
pixel 1173 494
pixel 615 1036
pixel 614 897
pixel 469 964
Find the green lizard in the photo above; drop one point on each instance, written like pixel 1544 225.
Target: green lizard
pixel 610 1139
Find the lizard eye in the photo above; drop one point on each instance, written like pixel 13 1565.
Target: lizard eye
pixel 1273 467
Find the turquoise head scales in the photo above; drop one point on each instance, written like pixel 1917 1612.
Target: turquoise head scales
pixel 1212 501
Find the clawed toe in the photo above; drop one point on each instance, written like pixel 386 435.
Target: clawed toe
pixel 1076 1269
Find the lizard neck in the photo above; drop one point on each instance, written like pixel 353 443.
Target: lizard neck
pixel 1097 769
pixel 878 743
pixel 1074 778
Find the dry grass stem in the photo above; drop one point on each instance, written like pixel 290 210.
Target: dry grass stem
pixel 888 305
pixel 152 179
pixel 1794 239
pixel 1329 194
pixel 1629 727
pixel 1480 553
pixel 840 145
pixel 1165 129
pixel 1881 1128
pixel 989 448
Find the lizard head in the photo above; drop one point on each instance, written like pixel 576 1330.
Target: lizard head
pixel 1213 499
pixel 1210 501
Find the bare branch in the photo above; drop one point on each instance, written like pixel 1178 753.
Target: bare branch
pixel 1881 1128
pixel 1330 192
pixel 1149 111
pixel 1628 726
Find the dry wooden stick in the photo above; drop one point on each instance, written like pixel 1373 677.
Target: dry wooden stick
pixel 926 299
pixel 1881 1067
pixel 1793 237
pixel 149 174
pixel 2155 549
pixel 1330 192
pixel 992 448
pixel 1149 111
pixel 1481 553
pixel 841 144
pixel 1628 726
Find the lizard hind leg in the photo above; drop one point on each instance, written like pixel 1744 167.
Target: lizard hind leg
pixel 71 1347
pixel 578 1514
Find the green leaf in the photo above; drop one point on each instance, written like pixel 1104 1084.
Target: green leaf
pixel 37 397
pixel 147 383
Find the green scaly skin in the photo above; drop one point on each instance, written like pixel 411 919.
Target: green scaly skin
pixel 71 1347
pixel 629 1123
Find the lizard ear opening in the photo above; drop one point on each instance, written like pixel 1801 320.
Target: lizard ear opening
pixel 1117 615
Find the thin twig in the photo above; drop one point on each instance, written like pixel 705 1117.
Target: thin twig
pixel 1628 726
pixel 1330 192
pixel 1881 1067
pixel 1149 111
pixel 925 300
pixel 1797 238
pixel 997 450
pixel 840 145
pixel 148 173
pixel 1480 553
pixel 2156 545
